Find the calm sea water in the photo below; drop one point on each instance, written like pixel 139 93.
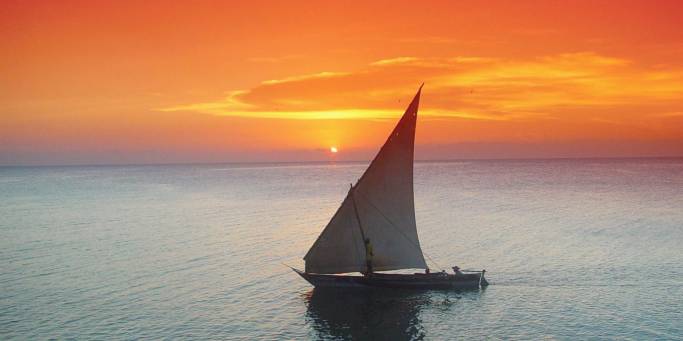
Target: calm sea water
pixel 588 249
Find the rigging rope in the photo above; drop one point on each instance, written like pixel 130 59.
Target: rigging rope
pixel 401 232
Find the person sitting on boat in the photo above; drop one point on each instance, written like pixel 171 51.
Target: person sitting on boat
pixel 456 270
pixel 368 255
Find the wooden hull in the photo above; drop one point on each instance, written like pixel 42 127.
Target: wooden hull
pixel 404 281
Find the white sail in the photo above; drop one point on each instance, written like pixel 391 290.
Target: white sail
pixel 383 198
pixel 339 247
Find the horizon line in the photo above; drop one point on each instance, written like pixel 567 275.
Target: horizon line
pixel 337 161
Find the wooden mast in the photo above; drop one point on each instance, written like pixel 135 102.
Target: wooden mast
pixel 360 226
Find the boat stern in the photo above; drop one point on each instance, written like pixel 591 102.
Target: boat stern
pixel 482 279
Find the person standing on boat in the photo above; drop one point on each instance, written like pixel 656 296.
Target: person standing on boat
pixel 456 270
pixel 368 255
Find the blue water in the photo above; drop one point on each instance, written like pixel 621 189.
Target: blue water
pixel 574 249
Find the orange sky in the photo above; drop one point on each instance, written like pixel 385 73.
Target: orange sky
pixel 159 81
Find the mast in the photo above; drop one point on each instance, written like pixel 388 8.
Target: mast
pixel 355 210
pixel 360 226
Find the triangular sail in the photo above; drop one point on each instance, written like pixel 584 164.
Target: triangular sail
pixel 383 198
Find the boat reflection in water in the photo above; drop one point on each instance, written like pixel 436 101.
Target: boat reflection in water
pixel 381 314
pixel 366 314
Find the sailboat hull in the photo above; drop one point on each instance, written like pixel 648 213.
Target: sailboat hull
pixel 404 281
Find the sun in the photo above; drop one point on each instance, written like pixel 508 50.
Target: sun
pixel 333 149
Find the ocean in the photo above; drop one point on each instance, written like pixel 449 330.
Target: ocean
pixel 574 249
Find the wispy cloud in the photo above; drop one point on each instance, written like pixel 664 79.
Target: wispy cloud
pixel 396 60
pixel 324 74
pixel 467 87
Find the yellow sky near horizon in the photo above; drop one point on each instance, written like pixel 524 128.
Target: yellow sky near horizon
pixel 112 82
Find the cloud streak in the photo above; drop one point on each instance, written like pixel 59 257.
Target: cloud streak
pixel 466 87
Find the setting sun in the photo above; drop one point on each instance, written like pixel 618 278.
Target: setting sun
pixel 333 149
